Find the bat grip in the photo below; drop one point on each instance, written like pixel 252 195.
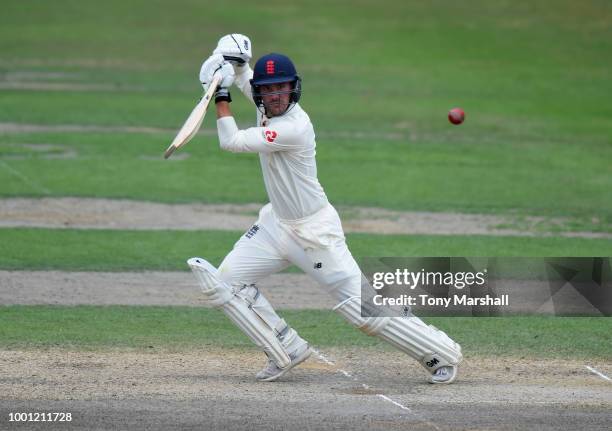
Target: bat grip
pixel 235 59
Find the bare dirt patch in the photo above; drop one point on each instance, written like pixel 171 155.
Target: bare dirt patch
pixel 214 388
pixel 43 151
pixel 92 213
pixel 76 128
pixel 287 291
pixel 37 76
pixel 283 290
pixel 59 86
pixel 55 81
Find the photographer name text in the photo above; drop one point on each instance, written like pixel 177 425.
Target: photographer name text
pixel 432 301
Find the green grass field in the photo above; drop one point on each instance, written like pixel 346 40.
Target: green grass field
pixel 533 78
pixel 180 328
pixel 450 172
pixel 103 250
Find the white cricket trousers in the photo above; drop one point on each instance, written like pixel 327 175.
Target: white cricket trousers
pixel 315 244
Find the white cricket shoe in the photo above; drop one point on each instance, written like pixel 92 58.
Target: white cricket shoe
pixel 271 371
pixel 444 375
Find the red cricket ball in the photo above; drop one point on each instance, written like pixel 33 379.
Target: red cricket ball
pixel 456 116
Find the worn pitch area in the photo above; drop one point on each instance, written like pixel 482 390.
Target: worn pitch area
pixel 349 388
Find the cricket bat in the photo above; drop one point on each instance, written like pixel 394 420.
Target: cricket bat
pixel 194 121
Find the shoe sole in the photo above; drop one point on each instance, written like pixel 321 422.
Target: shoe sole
pixel 297 361
pixel 445 382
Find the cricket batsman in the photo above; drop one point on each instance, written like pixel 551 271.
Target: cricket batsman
pixel 299 226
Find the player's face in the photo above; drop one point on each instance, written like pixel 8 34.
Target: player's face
pixel 276 98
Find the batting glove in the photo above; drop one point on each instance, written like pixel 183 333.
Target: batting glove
pixel 216 65
pixel 236 49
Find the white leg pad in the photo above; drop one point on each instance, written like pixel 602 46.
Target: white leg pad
pixel 431 347
pixel 240 311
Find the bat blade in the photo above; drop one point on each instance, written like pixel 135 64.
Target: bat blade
pixel 194 121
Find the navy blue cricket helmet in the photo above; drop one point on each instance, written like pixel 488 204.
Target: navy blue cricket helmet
pixel 275 69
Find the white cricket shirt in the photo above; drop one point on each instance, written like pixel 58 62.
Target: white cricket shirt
pixel 287 149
